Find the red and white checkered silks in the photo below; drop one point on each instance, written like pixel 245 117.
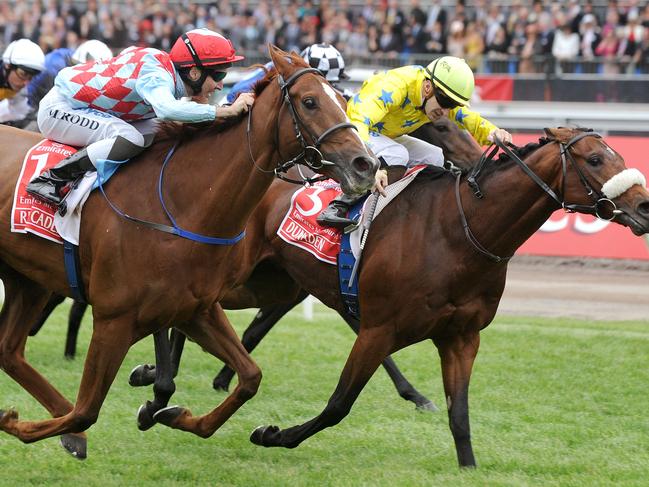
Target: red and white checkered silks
pixel 109 86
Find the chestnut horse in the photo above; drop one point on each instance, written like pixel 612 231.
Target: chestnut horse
pixel 443 270
pixel 140 280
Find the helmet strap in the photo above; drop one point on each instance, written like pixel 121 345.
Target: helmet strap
pixel 195 85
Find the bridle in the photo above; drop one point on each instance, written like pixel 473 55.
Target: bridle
pixel 599 199
pixel 310 155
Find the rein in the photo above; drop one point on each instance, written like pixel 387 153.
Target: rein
pixel 310 155
pixel 598 198
pixel 174 229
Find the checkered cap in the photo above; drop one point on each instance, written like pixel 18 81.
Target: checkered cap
pixel 327 59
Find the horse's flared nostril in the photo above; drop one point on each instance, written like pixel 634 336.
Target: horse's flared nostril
pixel 362 164
pixel 643 209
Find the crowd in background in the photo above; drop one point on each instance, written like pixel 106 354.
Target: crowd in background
pixel 523 37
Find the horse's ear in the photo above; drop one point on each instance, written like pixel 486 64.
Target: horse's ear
pixel 281 60
pixel 550 133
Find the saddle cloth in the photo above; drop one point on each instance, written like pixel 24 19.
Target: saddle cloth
pixel 300 228
pixel 32 215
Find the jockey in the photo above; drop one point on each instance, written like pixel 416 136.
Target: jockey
pixel 55 61
pixel 21 61
pixel 110 106
pixel 324 57
pixel 393 103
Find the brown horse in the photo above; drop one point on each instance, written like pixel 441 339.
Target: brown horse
pixel 443 270
pixel 140 280
pixel 271 287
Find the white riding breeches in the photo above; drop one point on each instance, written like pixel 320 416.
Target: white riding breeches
pixel 81 127
pixel 405 151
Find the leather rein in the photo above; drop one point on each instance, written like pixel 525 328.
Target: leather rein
pixel 598 198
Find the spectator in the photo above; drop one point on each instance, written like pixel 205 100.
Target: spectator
pixel 497 52
pixel 565 48
pixel 607 49
pixel 456 42
pixel 389 41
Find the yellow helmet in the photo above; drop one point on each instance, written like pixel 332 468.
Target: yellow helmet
pixel 453 76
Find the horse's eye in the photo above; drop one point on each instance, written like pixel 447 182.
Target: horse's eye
pixel 309 103
pixel 594 160
pixel 441 128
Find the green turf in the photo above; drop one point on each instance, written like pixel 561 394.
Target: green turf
pixel 553 402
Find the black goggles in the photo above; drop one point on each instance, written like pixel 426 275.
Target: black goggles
pixel 217 76
pixel 445 101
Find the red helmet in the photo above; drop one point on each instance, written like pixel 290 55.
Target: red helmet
pixel 202 47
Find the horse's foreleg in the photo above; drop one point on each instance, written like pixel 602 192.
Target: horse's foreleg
pixel 457 354
pixel 213 333
pixel 110 341
pixel 77 311
pixel 405 389
pixel 23 302
pixel 369 350
pixel 147 374
pixel 163 386
pixel 266 318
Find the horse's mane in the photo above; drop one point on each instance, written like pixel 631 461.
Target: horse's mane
pixel 184 131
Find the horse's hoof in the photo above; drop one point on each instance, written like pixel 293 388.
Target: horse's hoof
pixel 265 436
pixel 144 419
pixel 142 375
pixel 426 406
pixel 75 445
pixel 220 385
pixel 168 415
pixel 8 415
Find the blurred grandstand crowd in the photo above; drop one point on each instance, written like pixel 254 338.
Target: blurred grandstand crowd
pixel 520 37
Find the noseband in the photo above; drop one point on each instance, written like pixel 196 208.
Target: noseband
pixel 310 155
pixel 599 199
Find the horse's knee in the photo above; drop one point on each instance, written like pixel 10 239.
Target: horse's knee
pixel 9 360
pixel 82 421
pixel 249 383
pixel 165 388
pixel 334 413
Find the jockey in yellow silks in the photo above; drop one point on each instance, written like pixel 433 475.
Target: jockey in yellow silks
pixel 394 103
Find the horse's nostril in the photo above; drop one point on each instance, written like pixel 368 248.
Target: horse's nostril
pixel 643 208
pixel 362 164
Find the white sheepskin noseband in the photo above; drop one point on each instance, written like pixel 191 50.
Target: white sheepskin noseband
pixel 622 181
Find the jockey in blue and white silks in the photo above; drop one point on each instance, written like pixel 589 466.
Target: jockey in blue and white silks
pixel 112 106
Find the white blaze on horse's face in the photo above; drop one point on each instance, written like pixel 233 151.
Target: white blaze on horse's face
pixel 332 94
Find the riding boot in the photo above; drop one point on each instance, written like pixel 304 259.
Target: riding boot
pixel 335 214
pixel 48 185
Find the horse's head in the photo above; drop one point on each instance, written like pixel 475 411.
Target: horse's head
pixel 314 128
pixel 596 180
pixel 457 144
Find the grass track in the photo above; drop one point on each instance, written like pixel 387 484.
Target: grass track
pixel 553 402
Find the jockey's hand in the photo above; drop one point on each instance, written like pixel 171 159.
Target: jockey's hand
pixel 502 134
pixel 241 105
pixel 380 181
pixel 243 102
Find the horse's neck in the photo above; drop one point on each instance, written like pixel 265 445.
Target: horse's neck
pixel 227 184
pixel 513 207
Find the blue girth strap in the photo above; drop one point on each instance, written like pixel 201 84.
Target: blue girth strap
pixel 346 261
pixel 73 270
